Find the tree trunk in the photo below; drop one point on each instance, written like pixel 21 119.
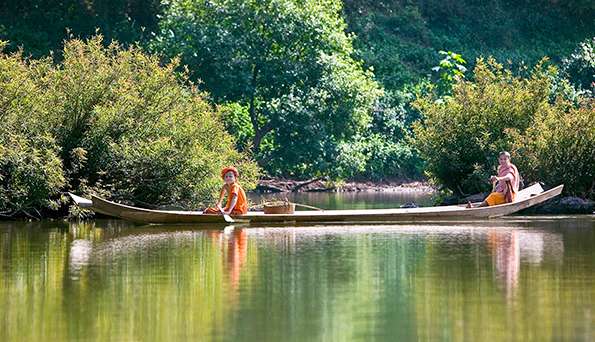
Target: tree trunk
pixel 259 131
pixel 252 110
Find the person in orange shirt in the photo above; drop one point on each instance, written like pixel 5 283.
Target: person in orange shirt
pixel 237 204
pixel 507 186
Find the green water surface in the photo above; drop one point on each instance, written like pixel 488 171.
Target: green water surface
pixel 519 278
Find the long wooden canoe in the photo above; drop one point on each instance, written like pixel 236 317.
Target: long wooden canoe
pixel 526 198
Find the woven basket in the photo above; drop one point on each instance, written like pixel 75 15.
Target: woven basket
pixel 279 208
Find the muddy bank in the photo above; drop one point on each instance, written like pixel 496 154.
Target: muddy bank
pixel 276 185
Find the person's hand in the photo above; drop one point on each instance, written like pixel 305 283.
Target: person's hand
pixel 493 179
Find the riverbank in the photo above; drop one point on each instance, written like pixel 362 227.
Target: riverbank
pixel 278 185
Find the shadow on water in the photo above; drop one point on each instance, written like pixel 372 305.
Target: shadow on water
pixel 494 280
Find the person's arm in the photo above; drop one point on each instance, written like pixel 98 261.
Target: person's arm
pixel 232 204
pixel 221 196
pixel 509 177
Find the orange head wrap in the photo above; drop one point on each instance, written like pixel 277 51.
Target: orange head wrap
pixel 228 169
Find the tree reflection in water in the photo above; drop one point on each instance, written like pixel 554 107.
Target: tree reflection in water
pixel 106 280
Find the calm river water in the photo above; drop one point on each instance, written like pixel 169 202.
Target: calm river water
pixel 516 278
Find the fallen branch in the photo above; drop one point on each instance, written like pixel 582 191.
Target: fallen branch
pixel 269 188
pixel 298 186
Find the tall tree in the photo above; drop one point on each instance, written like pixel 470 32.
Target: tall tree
pixel 288 61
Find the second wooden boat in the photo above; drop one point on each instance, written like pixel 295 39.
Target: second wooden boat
pixel 526 198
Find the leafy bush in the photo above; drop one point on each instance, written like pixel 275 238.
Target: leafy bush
pixel 552 136
pixel 315 122
pixel 375 157
pixel 459 138
pixel 236 119
pixel 387 142
pixel 559 147
pixel 31 174
pixel 112 121
pixel 450 67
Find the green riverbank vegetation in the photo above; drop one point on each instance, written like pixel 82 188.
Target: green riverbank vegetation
pixel 145 101
pixel 109 121
pixel 540 118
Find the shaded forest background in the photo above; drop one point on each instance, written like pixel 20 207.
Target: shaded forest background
pixel 400 39
pixel 343 89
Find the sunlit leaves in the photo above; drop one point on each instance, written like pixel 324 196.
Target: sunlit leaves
pixel 111 121
pixel 289 63
pixel 460 137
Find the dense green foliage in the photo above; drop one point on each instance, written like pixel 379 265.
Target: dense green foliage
pixel 40 26
pixel 288 63
pixel 31 173
pixel 579 67
pixel 461 135
pixel 401 39
pixel 307 88
pixel 111 121
pixel 559 147
pixel 383 150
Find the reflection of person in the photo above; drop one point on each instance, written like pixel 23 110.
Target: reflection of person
pixel 236 197
pixel 507 257
pixel 237 248
pixel 507 183
pixel 237 255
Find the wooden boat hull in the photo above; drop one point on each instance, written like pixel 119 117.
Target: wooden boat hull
pixel 526 198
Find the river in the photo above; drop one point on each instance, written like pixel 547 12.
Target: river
pixel 516 278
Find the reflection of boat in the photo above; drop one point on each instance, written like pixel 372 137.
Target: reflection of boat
pixel 526 198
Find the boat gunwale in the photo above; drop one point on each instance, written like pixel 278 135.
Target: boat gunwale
pixel 144 215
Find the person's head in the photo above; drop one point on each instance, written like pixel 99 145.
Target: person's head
pixel 229 175
pixel 504 158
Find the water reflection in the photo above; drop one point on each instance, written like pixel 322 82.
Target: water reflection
pixel 500 280
pixel 509 248
pixel 236 240
pixel 351 200
pixel 106 245
pixel 80 252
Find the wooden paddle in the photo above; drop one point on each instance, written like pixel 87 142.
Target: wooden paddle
pixel 470 205
pixel 226 217
pixel 307 206
pixel 303 205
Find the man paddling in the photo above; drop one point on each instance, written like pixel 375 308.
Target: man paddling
pixel 236 197
pixel 507 183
